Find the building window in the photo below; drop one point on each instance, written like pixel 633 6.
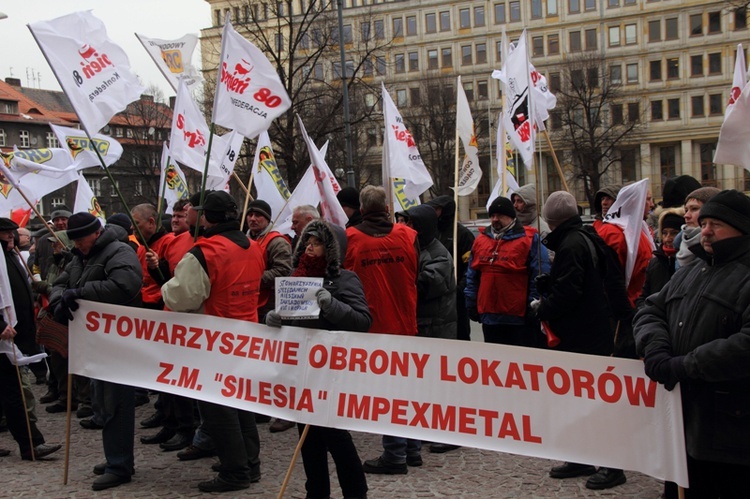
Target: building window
pixel 673 109
pixel 671 31
pixel 318 71
pixel 478 16
pixel 536 9
pixel 613 3
pixel 537 44
pixel 696 24
pixel 372 137
pixel 615 74
pixel 696 65
pixel 482 89
pixel 714 63
pixel 401 98
pixel 554 82
pixel 398 27
pixel 631 35
pixel 654 31
pixel 367 67
pixel 708 168
pixel 657 110
pixel 575 41
pixel 628 164
pixel 592 76
pixel 553 44
pixel 632 72
pixel 499 13
pixel 481 50
pixel 469 91
pixel 380 65
pixel 515 11
pixel 714 104
pixel 740 18
pixel 574 6
pixel 654 71
pixel 617 115
pixel 411 25
pixel 634 112
pixel 590 39
pixel 466 55
pixel 614 36
pixel 379 30
pixel 447 56
pixel 464 18
pixel 673 68
pixel 697 106
pixel 667 162
pixel 2 137
pixel 365 31
pixel 415 96
pixel 589 4
pixel 52 140
pixel 23 135
pixel 413 61
pixel 445 21
pixel 400 63
pixel 552 8
pixel 432 59
pixel 96 186
pixel 430 23
pixel 714 22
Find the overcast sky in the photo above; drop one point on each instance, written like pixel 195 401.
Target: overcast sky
pixel 167 19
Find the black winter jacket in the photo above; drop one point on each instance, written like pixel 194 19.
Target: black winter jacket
pixel 445 236
pixel 660 270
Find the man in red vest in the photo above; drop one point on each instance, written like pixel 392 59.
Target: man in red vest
pixel 385 256
pixel 221 275
pixel 145 216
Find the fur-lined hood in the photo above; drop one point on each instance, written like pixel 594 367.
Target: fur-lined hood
pixel 679 211
pixel 334 242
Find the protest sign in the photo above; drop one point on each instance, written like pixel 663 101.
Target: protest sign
pixel 295 297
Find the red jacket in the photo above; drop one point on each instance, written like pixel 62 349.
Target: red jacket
pixel 614 236
pixel 151 289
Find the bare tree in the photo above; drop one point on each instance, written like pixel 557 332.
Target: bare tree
pixel 593 125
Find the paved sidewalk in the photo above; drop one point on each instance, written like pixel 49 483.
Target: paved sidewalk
pixel 469 473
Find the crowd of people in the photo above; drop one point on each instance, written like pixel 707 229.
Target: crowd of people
pixel 684 310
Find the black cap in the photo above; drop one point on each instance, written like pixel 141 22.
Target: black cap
pixel 81 225
pixel 348 196
pixel 729 206
pixel 502 206
pixel 261 207
pixel 218 201
pixel 122 220
pixel 7 224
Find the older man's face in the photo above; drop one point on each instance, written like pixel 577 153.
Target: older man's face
pixel 713 230
pixel 7 236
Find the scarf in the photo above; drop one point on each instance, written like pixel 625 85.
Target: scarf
pixel 497 234
pixel 690 237
pixel 311 266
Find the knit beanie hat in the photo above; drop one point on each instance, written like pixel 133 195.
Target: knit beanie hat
pixel 502 206
pixel 122 220
pixel 729 206
pixel 260 207
pixel 560 207
pixel 82 224
pixel 348 196
pixel 672 221
pixel 675 189
pixel 703 194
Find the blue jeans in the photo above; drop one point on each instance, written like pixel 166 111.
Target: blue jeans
pixel 116 404
pixel 395 449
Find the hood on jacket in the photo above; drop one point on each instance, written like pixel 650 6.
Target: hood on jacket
pixel 424 220
pixel 330 238
pixel 676 189
pixel 611 191
pixel 680 212
pixel 527 193
pixel 448 213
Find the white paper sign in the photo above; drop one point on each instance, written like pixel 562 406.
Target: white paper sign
pixel 295 297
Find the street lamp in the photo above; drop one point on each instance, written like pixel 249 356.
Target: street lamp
pixel 345 89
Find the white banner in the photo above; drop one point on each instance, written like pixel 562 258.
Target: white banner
pixel 269 184
pixel 81 149
pixel 224 153
pixel 540 403
pixel 470 173
pixel 93 71
pixel 86 201
pixel 37 172
pixel 188 141
pixel 249 93
pixel 176 186
pixel 173 58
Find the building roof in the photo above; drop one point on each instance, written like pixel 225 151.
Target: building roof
pixel 30 110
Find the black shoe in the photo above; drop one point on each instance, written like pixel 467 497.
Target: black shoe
pixel 109 480
pixel 219 485
pixel 90 424
pixel 163 436
pixel 571 470
pixel 4 452
pixel 415 460
pixel 254 474
pixel 153 421
pixel 606 478
pixel 49 397
pixel 192 452
pixel 40 451
pixel 441 448
pixel 382 467
pixel 60 406
pixel 84 411
pixel 100 468
pixel 177 442
pixel 280 425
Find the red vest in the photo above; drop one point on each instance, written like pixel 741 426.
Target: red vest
pixel 387 267
pixel 235 275
pixel 151 291
pixel 178 246
pixel 263 242
pixel 504 279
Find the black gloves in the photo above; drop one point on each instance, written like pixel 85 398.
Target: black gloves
pixel 68 304
pixel 664 368
pixel 473 313
pixel 543 283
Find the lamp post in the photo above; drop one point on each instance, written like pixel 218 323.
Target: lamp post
pixel 345 90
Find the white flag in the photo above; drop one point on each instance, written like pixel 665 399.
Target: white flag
pixel 6 295
pixel 55 161
pixel 505 166
pixel 543 98
pixel 269 184
pixel 86 200
pixel 224 153
pixel 93 71
pixel 515 76
pixel 329 207
pixel 627 212
pixel 34 182
pixel 733 147
pixel 173 58
pixel 81 149
pixel 188 142
pixel 249 94
pixel 739 79
pixel 176 186
pixel 470 173
pixel 403 160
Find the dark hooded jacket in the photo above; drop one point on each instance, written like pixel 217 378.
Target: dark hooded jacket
pixel 445 236
pixel 23 303
pixel 110 273
pixel 348 310
pixel 436 283
pixel 530 216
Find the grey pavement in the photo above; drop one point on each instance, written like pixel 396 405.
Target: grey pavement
pixel 466 472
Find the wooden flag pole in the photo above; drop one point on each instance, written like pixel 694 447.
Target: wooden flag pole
pixel 163 192
pixel 247 198
pixel 294 460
